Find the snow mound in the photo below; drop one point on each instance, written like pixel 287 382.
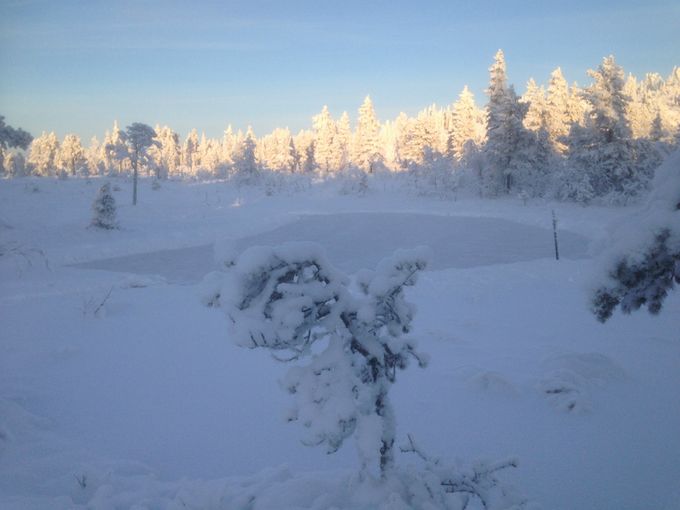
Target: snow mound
pixel 16 421
pixel 570 379
pixel 21 261
pixel 492 383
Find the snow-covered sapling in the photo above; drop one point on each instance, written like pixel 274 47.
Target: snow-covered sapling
pixel 104 209
pixel 290 300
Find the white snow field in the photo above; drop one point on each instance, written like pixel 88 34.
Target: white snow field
pixel 144 402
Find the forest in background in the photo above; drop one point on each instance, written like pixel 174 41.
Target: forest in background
pixel 598 143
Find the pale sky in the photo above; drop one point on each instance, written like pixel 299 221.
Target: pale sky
pixel 74 67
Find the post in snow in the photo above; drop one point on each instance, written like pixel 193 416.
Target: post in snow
pixel 554 224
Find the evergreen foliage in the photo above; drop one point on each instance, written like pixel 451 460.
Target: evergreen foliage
pixel 290 300
pixel 648 267
pixel 104 209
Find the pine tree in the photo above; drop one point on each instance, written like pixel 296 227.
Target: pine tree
pixel 466 123
pixel 190 158
pixel 166 155
pixel 534 98
pixel 289 300
pixel 557 117
pixel 605 150
pixel 115 150
pixel 104 209
pixel 507 139
pixel 14 164
pixel 407 149
pixel 42 154
pixel 324 136
pixel 139 138
pixel 71 157
pixel 13 137
pixel 366 146
pixel 342 143
pixel 304 142
pixel 245 162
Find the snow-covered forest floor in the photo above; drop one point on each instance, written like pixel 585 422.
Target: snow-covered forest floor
pixel 144 400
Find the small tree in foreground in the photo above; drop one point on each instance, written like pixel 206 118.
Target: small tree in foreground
pixel 104 209
pixel 290 300
pixel 650 265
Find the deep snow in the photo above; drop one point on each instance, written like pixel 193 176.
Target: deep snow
pixel 148 402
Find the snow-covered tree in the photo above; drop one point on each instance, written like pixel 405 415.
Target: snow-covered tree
pixel 535 99
pixel 166 155
pixel 104 209
pixel 115 150
pixel 502 128
pixel 324 137
pixel 278 151
pixel 557 116
pixel 645 260
pixel 14 164
pixel 190 158
pixel 508 141
pixel 42 154
pixel 139 138
pixel 93 157
pixel 290 300
pixel 245 163
pixel 12 138
pixel 604 150
pixel 342 143
pixel 304 143
pixel 406 148
pixel 466 123
pixel 366 147
pixel 71 157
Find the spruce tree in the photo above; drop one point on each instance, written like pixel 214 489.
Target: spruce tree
pixel 324 135
pixel 104 209
pixel 366 147
pixel 605 150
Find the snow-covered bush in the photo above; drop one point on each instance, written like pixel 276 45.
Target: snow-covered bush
pixel 646 265
pixel 290 300
pixel 104 209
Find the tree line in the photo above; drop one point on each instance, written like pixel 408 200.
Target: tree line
pixel 559 140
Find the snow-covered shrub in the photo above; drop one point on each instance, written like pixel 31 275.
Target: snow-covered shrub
pixel 20 260
pixel 646 265
pixel 446 486
pixel 104 209
pixel 290 300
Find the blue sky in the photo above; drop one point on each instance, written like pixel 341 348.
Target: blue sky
pixel 74 67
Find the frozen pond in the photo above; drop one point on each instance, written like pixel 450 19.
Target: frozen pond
pixel 357 240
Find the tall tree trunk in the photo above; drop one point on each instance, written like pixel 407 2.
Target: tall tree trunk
pixel 134 182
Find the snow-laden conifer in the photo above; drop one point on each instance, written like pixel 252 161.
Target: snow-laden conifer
pixel 104 209
pixel 290 300
pixel 645 264
pixel 366 144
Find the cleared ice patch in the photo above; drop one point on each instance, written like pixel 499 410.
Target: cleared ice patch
pixel 358 240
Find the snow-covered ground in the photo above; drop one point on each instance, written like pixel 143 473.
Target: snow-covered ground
pixel 146 401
